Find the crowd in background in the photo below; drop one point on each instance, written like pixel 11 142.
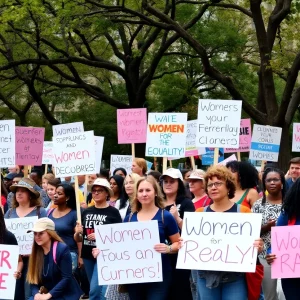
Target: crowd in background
pixel 63 262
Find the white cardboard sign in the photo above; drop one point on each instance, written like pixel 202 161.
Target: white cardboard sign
pixel 7 143
pixel 219 123
pixel 19 227
pixel 166 134
pixel 219 241
pixel 296 137
pixel 120 161
pixel 127 254
pixel 48 153
pixel 74 154
pixel 8 265
pixel 265 143
pixel 99 141
pixel 68 128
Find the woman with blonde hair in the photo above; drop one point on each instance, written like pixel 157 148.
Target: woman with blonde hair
pixel 26 203
pixel 50 265
pixel 139 166
pixel 146 206
pixel 129 192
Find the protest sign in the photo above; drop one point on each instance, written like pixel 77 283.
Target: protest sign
pixel 9 256
pixel 265 143
pixel 208 156
pixel 120 161
pixel 190 148
pixel 285 244
pixel 19 227
pixel 227 160
pixel 218 241
pixel 29 145
pixel 127 254
pixel 296 137
pixel 68 128
pixel 7 143
pixel 48 153
pixel 74 154
pixel 218 123
pixel 245 137
pixel 132 125
pixel 166 134
pixel 99 141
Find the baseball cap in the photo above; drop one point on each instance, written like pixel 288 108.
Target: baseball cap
pixel 42 224
pixel 173 173
pixel 197 174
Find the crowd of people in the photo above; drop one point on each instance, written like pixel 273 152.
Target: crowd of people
pixel 63 260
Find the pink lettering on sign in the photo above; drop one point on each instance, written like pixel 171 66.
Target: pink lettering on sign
pixel 29 145
pixel 245 137
pixel 132 125
pixel 286 246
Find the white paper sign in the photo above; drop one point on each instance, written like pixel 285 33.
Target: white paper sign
pixel 99 141
pixel 166 134
pixel 74 154
pixel 68 128
pixel 8 265
pixel 296 137
pixel 219 241
pixel 7 143
pixel 228 159
pixel 219 123
pixel 127 254
pixel 191 136
pixel 265 143
pixel 19 227
pixel 120 161
pixel 48 153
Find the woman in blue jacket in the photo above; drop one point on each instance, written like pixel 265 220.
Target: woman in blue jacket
pixel 50 265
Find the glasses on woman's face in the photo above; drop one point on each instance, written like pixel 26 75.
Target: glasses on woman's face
pixel 215 184
pixel 275 180
pixel 39 233
pixel 100 191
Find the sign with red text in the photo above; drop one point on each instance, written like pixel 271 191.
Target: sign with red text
pixel 68 128
pixel 166 134
pixel 265 143
pixel 9 256
pixel 120 161
pixel 48 153
pixel 218 241
pixel 132 125
pixel 285 244
pixel 7 143
pixel 127 253
pixel 99 141
pixel 19 227
pixel 29 145
pixel 296 137
pixel 74 154
pixel 219 123
pixel 245 137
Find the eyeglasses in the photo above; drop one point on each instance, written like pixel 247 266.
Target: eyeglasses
pixel 215 184
pixel 39 233
pixel 98 191
pixel 272 179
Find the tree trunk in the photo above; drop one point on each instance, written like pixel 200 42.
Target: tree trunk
pixel 285 149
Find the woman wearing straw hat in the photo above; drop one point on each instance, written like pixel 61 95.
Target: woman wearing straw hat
pixel 26 203
pixel 102 213
pixel 50 265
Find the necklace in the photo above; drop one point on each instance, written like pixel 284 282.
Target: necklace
pixel 45 275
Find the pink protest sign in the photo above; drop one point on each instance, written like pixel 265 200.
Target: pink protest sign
pixel 132 125
pixel 29 145
pixel 245 137
pixel 285 244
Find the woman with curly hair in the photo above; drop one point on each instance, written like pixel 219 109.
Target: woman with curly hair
pixel 218 285
pixel 290 215
pixel 269 206
pixel 246 180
